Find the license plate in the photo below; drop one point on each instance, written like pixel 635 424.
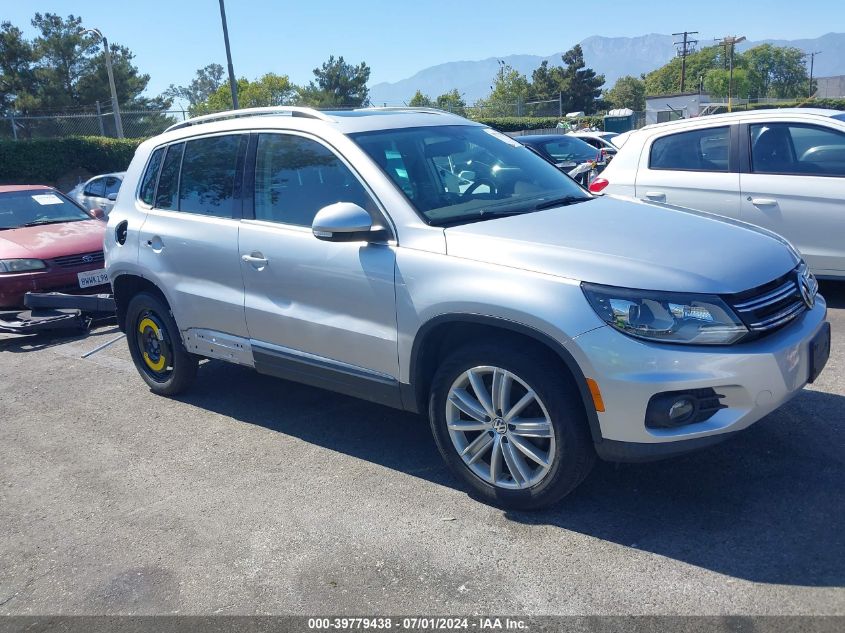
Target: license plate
pixel 93 278
pixel 819 351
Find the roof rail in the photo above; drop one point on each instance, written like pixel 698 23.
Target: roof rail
pixel 405 109
pixel 309 113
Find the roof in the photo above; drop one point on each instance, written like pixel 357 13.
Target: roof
pixel 11 188
pixel 345 121
pixel 676 94
pixel 727 117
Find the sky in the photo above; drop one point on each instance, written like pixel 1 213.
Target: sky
pixel 171 39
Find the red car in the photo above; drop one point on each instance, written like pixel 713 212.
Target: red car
pixel 48 243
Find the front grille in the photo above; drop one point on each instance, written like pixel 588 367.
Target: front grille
pixel 773 305
pixel 82 259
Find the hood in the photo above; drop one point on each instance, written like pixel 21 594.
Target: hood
pixel 625 242
pixel 52 240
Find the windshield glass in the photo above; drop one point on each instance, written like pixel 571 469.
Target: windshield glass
pixel 570 150
pixel 37 206
pixel 455 174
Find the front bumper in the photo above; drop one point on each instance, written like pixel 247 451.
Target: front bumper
pixel 13 287
pixel 755 378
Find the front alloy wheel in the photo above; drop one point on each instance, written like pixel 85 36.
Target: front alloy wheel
pixel 509 420
pixel 500 427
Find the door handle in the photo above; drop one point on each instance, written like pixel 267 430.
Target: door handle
pixel 762 202
pixel 256 260
pixel 656 196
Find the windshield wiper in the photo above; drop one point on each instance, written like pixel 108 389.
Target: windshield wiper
pixel 41 222
pixel 560 202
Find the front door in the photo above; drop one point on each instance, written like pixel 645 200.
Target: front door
pixel 313 306
pixel 795 186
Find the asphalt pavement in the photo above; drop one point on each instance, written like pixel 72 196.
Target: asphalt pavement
pixel 250 495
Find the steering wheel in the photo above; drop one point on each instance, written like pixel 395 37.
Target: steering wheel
pixel 481 181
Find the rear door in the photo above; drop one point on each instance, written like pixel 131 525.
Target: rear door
pixel 189 240
pixel 693 168
pixel 793 183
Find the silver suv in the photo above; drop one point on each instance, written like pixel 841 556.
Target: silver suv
pixel 425 262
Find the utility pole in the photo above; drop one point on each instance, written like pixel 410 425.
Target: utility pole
pixel 687 46
pixel 732 41
pixel 812 57
pixel 118 122
pixel 233 85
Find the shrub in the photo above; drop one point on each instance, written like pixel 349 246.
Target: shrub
pixel 516 124
pixel 45 161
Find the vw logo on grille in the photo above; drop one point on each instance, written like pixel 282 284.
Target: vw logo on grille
pixel 87 258
pixel 808 293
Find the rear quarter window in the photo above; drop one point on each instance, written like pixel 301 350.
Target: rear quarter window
pixel 696 150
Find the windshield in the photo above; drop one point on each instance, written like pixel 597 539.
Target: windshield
pixel 456 174
pixel 37 206
pixel 568 149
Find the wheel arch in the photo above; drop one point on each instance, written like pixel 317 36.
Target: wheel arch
pixel 436 336
pixel 125 287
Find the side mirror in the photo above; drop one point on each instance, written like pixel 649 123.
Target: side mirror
pixel 112 197
pixel 97 214
pixel 345 222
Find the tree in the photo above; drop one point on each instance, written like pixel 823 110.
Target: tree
pixel 775 71
pixel 17 79
pixel 716 83
pixel 337 84
pixel 509 91
pixel 627 92
pixel 452 101
pixel 268 90
pixel 64 67
pixel 667 78
pixel 206 82
pixel 420 100
pixel 582 86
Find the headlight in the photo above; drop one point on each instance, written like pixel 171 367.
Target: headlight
pixel 667 317
pixel 20 265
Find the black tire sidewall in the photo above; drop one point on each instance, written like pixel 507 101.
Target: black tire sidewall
pixel 574 453
pixel 184 364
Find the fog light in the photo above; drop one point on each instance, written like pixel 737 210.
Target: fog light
pixel 681 409
pixel 671 409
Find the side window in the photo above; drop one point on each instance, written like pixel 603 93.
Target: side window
pixel 112 185
pixel 797 149
pixel 96 187
pixel 209 175
pixel 295 177
pixel 148 182
pixel 697 150
pixel 168 181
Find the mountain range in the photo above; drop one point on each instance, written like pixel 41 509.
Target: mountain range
pixel 612 56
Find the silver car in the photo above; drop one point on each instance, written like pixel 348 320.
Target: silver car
pixel 428 263
pixel 99 192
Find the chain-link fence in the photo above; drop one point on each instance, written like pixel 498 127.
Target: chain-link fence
pixel 136 124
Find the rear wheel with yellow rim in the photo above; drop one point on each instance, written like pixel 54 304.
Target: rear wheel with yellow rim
pixel 156 346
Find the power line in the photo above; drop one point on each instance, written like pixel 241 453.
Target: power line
pixel 687 46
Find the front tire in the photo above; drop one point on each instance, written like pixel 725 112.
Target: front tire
pixel 156 346
pixel 510 425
